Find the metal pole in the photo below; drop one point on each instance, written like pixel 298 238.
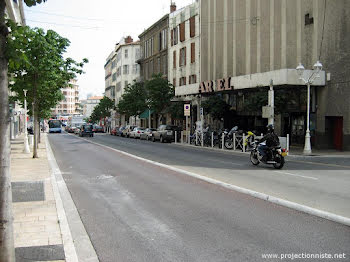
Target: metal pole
pixel 202 136
pixel 243 143
pixel 175 137
pixel 26 145
pixel 222 141
pixel 149 118
pixel 182 137
pixel 271 103
pixel 288 144
pixel 307 147
pixel 234 141
pixel 212 139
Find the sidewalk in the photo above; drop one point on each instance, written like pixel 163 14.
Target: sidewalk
pixel 37 232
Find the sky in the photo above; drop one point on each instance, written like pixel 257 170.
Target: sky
pixel 94 27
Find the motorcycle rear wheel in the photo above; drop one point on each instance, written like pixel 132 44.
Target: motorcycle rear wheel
pixel 228 144
pixel 279 161
pixel 254 158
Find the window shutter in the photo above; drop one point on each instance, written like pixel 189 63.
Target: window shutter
pixel 193 55
pixel 174 59
pixel 172 37
pixel 192 26
pixel 182 31
pixel 185 57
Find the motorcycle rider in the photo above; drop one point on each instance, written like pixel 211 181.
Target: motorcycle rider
pixel 271 140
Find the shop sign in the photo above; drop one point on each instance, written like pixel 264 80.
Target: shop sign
pixel 220 85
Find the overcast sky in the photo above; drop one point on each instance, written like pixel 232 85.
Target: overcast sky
pixel 94 27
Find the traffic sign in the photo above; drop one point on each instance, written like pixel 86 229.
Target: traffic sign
pixel 187 109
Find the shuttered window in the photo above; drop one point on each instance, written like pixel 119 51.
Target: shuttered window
pixel 193 52
pixel 182 58
pixel 172 37
pixel 182 31
pixel 192 26
pixel 174 59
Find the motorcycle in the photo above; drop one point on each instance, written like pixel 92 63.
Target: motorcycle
pixel 228 137
pixel 275 156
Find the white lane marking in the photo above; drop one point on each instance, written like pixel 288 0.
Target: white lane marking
pixel 290 174
pixel 279 201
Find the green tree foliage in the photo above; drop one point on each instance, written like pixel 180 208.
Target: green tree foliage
pixel 133 101
pixel 36 63
pixel 255 100
pixel 216 107
pixel 102 110
pixel 159 93
pixel 176 110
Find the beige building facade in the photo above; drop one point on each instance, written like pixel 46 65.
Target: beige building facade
pixel 251 42
pixel 70 105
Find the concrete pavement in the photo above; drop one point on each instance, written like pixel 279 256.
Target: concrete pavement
pixel 41 231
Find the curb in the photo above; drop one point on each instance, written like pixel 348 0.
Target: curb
pixel 272 199
pixel 76 242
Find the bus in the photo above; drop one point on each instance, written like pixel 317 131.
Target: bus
pixel 55 126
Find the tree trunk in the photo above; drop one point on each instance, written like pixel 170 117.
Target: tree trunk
pixel 35 124
pixel 7 251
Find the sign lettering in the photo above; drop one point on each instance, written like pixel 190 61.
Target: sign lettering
pixel 221 85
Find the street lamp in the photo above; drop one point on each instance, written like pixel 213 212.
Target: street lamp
pixel 148 102
pixel 308 81
pixel 26 145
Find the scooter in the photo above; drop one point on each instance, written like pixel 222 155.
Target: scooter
pixel 275 155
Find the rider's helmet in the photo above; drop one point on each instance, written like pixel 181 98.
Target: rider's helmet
pixel 270 128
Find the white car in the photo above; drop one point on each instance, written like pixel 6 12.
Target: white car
pixel 136 133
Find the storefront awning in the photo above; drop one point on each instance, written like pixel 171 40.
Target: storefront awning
pixel 146 113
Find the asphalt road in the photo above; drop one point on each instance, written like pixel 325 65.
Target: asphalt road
pixel 136 211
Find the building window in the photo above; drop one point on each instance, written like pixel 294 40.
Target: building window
pixel 192 26
pixel 308 20
pixel 182 59
pixel 125 84
pixel 113 64
pixel 126 53
pixel 174 36
pixel 150 68
pixel 137 54
pixel 158 65
pixel 119 71
pixel 182 31
pixel 193 52
pixel 165 65
pixel 125 69
pixel 192 79
pixel 182 81
pixel 114 77
pixel 174 59
pixel 174 82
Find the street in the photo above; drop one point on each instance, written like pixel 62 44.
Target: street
pixel 136 211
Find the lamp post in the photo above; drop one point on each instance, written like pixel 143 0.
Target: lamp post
pixel 26 145
pixel 149 112
pixel 308 81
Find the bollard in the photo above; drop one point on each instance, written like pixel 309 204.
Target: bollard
pixel 212 139
pixel 196 138
pixel 182 137
pixel 222 141
pixel 234 141
pixel 175 137
pixel 243 143
pixel 31 140
pixel 188 137
pixel 202 136
pixel 287 144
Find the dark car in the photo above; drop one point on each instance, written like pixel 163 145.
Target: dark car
pixel 86 130
pixel 114 131
pixel 98 129
pixel 166 133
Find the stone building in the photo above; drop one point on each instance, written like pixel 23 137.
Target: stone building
pixel 247 43
pixel 70 105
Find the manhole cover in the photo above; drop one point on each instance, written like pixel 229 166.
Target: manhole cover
pixel 28 191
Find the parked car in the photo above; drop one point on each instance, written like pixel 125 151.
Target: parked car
pixel 114 131
pixel 127 130
pixel 77 130
pixel 71 129
pixel 166 133
pixel 147 134
pixel 120 131
pixel 136 132
pixel 86 130
pixel 98 129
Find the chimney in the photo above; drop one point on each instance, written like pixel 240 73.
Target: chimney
pixel 172 7
pixel 128 40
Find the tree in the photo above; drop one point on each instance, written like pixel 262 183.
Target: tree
pixel 6 230
pixel 216 107
pixel 102 110
pixel 159 93
pixel 36 63
pixel 176 110
pixel 133 101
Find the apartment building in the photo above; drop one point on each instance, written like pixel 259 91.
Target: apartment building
pixel 90 104
pixel 121 69
pixel 70 105
pixel 184 54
